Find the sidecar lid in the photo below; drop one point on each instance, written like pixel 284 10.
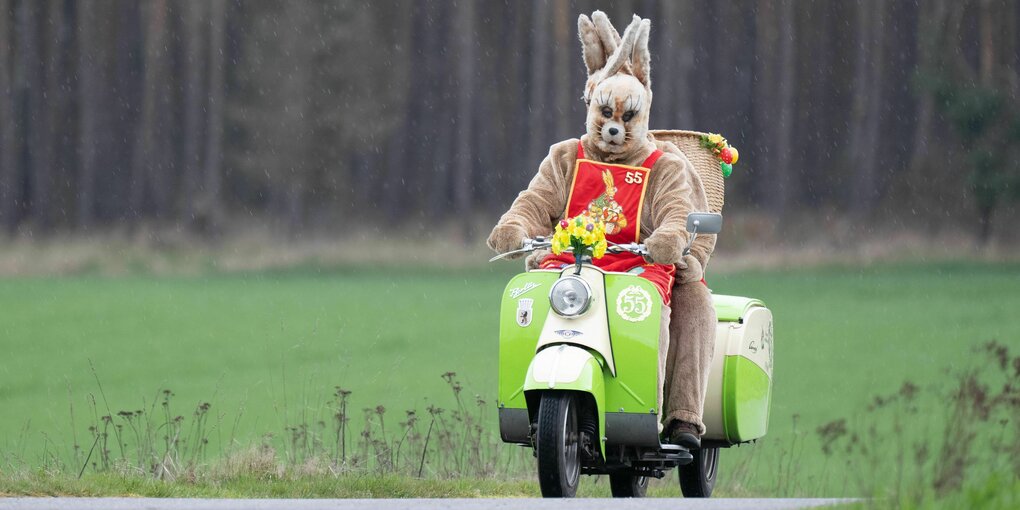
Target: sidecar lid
pixel 733 308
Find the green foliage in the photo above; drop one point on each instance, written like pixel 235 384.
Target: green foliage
pixel 988 125
pixel 971 109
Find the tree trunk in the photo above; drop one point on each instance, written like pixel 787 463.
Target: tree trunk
pixel 210 205
pixel 815 42
pixel 91 99
pixel 196 15
pixel 921 185
pixel 782 181
pixel 118 182
pixel 673 105
pixel 10 182
pixel 463 175
pixel 163 178
pixel 438 204
pixel 866 113
pixel 538 110
pixel 987 61
pixel 765 90
pixel 34 129
pixel 522 166
pixel 410 148
pixel 295 90
pixel 1009 48
pixel 859 108
pixel 866 183
pixel 59 128
pixel 563 96
pixel 144 161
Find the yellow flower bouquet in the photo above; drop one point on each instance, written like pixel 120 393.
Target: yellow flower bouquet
pixel 584 234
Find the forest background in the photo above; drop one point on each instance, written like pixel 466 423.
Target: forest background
pixel 164 120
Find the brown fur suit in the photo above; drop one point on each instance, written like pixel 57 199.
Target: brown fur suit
pixel 619 68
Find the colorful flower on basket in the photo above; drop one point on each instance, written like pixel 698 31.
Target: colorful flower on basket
pixel 583 233
pixel 727 155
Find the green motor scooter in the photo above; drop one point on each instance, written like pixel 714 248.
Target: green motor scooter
pixel 578 362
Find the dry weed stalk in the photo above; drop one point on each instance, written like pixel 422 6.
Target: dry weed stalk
pixel 159 443
pixel 894 453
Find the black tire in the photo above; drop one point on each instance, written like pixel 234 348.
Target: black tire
pixel 628 486
pixel 558 448
pixel 697 479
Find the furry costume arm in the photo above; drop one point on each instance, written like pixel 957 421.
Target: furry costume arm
pixel 537 208
pixel 668 204
pixel 704 245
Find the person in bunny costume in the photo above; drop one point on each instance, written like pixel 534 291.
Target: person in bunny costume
pixel 642 190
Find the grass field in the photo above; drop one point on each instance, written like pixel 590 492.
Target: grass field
pixel 267 350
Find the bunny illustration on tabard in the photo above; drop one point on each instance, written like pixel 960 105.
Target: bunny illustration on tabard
pixel 606 208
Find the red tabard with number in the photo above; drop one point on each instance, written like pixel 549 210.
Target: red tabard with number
pixel 615 194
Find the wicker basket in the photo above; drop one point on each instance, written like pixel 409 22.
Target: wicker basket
pixel 705 163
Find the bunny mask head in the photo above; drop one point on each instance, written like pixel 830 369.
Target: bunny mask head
pixel 618 90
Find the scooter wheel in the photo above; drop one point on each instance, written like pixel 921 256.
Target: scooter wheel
pixel 697 479
pixel 557 449
pixel 628 486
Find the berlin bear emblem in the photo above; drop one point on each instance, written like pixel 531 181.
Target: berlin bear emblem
pixel 524 312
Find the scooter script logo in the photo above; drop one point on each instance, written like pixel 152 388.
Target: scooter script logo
pixel 518 291
pixel 634 304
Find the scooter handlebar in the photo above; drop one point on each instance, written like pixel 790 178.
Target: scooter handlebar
pixel 529 245
pixel 635 248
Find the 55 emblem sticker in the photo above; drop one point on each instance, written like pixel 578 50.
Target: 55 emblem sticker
pixel 518 291
pixel 634 304
pixel 524 312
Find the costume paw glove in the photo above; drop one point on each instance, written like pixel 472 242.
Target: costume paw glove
pixel 506 237
pixel 535 259
pixel 689 270
pixel 663 250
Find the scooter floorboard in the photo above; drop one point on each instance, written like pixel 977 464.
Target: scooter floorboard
pixel 647 462
pixel 667 456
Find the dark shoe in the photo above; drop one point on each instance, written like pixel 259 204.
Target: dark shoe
pixel 684 434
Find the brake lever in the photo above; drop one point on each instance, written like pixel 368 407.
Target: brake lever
pixel 511 252
pixel 530 245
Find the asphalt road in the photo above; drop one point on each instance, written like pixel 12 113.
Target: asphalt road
pixel 401 504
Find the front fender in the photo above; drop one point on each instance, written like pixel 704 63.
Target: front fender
pixel 571 368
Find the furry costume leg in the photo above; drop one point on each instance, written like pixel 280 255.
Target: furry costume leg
pixel 691 346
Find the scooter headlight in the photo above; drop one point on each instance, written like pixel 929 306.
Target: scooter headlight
pixel 570 296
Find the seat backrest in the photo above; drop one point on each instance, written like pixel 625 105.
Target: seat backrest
pixel 705 163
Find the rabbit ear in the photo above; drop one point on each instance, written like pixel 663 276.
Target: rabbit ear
pixel 606 31
pixel 624 52
pixel 591 46
pixel 641 60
